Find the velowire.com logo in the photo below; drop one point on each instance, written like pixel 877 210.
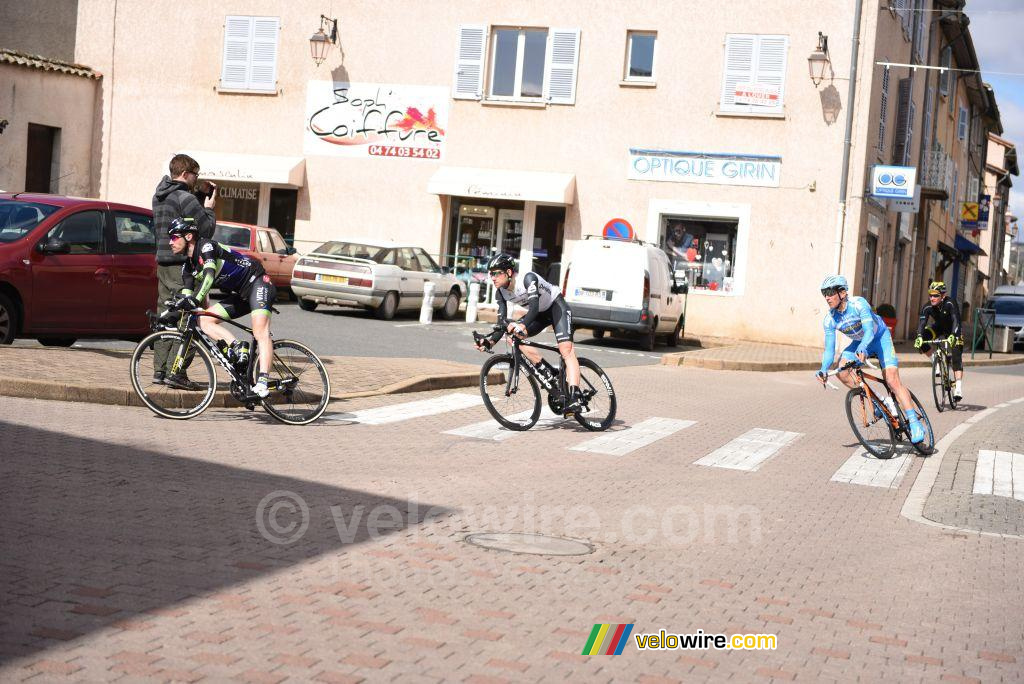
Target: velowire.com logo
pixel 607 639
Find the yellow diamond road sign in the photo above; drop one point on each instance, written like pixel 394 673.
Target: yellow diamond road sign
pixel 969 211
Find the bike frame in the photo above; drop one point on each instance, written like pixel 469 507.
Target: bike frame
pixel 519 357
pixel 862 382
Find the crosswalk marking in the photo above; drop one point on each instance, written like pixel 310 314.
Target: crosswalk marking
pixel 864 469
pixel 622 442
pixel 413 409
pixel 999 473
pixel 492 430
pixel 750 450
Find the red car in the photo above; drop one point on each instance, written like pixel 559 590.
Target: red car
pixel 261 243
pixel 72 267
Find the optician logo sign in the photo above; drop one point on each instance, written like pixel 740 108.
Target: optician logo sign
pixel 893 182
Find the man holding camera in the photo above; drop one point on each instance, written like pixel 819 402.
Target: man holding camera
pixel 178 195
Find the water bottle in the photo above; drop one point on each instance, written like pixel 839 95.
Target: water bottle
pixel 890 404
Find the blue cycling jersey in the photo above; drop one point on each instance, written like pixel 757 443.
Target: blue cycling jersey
pixel 857 321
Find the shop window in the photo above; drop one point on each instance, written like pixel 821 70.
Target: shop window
pixel 238 202
pixel 701 250
pixel 524 64
pixel 755 64
pixel 640 56
pixel 250 54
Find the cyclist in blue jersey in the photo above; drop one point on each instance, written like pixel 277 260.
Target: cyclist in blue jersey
pixel 854 318
pixel 248 288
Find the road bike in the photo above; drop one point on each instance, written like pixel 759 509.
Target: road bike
pixel 943 382
pixel 877 419
pixel 515 401
pixel 300 388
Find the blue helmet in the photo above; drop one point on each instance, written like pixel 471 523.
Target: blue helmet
pixel 835 281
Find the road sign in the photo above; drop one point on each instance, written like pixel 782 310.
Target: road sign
pixel 618 229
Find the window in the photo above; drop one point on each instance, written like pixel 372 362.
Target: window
pixel 947 56
pixel 883 110
pixel 703 250
pixel 231 236
pixel 83 232
pixel 926 134
pixel 426 263
pixel 407 260
pixel 867 277
pixel 954 194
pixel 640 56
pixel 920 40
pixel 905 112
pixel 961 124
pixel 134 233
pixel 277 243
pixel 17 219
pixel 263 241
pixel 250 54
pixel 523 64
pixel 757 64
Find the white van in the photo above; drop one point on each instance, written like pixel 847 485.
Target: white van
pixel 624 286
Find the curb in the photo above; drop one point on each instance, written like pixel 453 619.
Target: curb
pixel 113 396
pixel 681 359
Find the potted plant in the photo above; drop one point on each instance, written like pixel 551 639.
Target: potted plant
pixel 887 312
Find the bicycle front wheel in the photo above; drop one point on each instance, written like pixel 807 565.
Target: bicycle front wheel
pixel 148 380
pixel 300 388
pixel 513 401
pixel 938 380
pixel 598 397
pixel 875 433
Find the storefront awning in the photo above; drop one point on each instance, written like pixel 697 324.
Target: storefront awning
pixel 532 186
pixel 965 246
pixel 250 168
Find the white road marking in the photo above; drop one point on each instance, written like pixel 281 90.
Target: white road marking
pixel 999 473
pixel 492 430
pixel 413 409
pixel 750 450
pixel 625 441
pixel 864 469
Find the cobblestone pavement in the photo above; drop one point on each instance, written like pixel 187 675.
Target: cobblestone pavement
pixel 231 547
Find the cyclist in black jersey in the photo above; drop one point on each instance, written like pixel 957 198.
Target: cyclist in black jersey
pixel 249 290
pixel 544 306
pixel 944 315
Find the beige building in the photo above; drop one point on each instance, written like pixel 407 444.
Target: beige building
pixel 522 126
pixel 1000 165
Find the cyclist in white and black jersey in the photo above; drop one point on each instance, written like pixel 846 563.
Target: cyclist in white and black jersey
pixel 544 306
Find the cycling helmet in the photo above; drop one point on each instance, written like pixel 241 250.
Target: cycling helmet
pixel 501 262
pixel 181 226
pixel 937 288
pixel 835 282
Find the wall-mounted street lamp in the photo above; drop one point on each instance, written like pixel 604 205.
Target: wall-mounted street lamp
pixel 819 60
pixel 320 43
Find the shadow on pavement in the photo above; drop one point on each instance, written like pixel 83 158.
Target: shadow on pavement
pixel 98 535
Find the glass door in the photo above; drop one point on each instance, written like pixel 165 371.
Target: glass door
pixel 475 241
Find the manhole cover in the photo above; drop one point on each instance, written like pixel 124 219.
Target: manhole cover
pixel 537 544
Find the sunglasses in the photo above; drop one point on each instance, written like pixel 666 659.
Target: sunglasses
pixel 494 274
pixel 829 291
pixel 934 294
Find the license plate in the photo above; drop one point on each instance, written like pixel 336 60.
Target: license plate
pixel 332 279
pixel 591 293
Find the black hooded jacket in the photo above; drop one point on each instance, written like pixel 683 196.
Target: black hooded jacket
pixel 170 201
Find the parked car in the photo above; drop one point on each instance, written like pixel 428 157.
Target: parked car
pixel 72 267
pixel 262 243
pixel 1008 302
pixel 384 277
pixel 624 286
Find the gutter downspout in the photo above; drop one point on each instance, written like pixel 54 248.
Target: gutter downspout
pixel 848 141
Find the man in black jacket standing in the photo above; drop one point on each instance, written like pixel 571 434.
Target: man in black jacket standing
pixel 175 198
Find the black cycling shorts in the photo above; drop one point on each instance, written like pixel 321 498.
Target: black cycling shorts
pixel 258 294
pixel 558 316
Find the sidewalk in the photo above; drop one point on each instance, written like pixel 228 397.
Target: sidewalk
pixel 100 376
pixel 721 354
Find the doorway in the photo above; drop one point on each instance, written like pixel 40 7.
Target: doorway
pixel 548 230
pixel 282 212
pixel 42 148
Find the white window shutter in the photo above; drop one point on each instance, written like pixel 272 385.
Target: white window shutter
pixel 263 65
pixel 235 67
pixel 468 83
pixel 739 68
pixel 563 64
pixel 771 67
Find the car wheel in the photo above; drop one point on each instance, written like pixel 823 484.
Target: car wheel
pixel 599 334
pixel 307 304
pixel 387 308
pixel 649 339
pixel 8 319
pixel 292 297
pixel 677 334
pixel 57 341
pixel 451 306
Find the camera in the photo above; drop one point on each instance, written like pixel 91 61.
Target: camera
pixel 204 189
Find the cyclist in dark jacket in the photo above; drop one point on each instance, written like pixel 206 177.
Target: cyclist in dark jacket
pixel 940 318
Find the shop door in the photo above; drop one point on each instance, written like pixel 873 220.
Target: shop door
pixel 547 242
pixel 282 212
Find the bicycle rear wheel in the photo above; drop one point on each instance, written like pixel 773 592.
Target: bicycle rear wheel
pixel 512 401
pixel 875 434
pixel 300 388
pixel 926 445
pixel 938 379
pixel 158 397
pixel 598 395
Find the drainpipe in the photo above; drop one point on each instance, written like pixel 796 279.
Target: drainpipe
pixel 848 141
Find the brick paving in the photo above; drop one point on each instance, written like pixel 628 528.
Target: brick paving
pixel 169 544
